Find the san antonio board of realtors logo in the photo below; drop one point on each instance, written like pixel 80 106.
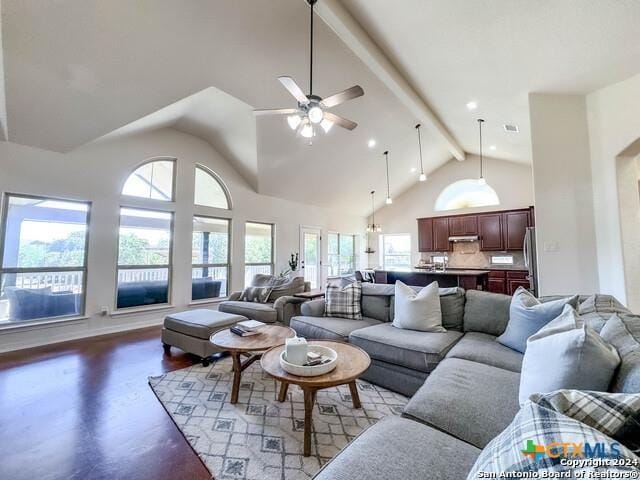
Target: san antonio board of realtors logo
pixel 570 450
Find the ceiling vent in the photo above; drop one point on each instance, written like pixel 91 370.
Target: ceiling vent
pixel 510 128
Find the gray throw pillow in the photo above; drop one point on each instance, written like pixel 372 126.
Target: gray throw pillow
pixel 345 302
pixel 288 287
pixel 566 354
pixel 418 310
pixel 623 332
pixel 527 315
pixel 256 294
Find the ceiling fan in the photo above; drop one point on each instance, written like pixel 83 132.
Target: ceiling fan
pixel 313 110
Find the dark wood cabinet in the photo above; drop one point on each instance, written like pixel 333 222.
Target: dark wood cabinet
pixel 490 231
pixel 517 279
pixel 507 281
pixel 441 234
pixel 463 225
pixel 514 228
pixel 425 235
pixel 497 285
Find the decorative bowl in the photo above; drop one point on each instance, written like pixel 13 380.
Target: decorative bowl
pixel 311 371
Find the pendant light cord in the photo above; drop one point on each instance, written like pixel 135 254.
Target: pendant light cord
pixel 420 148
pixel 386 157
pixel 373 211
pixel 480 122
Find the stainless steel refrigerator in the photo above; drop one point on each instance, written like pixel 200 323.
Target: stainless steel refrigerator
pixel 531 259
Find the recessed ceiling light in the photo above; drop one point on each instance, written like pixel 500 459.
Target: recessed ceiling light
pixel 472 105
pixel 413 169
pixel 371 143
pixel 492 147
pixel 511 128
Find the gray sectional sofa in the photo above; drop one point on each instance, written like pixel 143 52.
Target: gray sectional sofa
pixel 464 385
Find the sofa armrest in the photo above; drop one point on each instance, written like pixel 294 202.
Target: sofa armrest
pixel 287 306
pixel 234 296
pixel 313 308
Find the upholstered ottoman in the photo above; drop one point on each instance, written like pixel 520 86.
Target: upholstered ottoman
pixel 190 331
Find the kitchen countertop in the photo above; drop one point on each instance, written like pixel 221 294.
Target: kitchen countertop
pixel 449 271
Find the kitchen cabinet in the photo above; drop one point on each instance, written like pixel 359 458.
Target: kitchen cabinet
pixel 507 281
pixel 514 228
pixel 517 279
pixel 463 225
pixel 441 234
pixel 490 231
pixel 425 235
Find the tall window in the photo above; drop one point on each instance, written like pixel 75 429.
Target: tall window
pixel 209 190
pixel 153 180
pixel 258 250
pixel 210 258
pixel 396 251
pixel 144 257
pixel 342 254
pixel 44 258
pixel 466 193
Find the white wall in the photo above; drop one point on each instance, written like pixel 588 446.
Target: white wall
pixel 614 123
pixel 563 194
pixel 96 172
pixel 511 181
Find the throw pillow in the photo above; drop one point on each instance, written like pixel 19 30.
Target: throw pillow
pixel 623 332
pixel 566 354
pixel 527 315
pixel 256 294
pixel 287 288
pixel 601 303
pixel 418 310
pixel 344 302
pixel 538 425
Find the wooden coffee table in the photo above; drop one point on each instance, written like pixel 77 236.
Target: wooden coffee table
pixel 352 362
pixel 250 347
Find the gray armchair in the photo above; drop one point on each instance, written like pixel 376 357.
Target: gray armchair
pixel 280 306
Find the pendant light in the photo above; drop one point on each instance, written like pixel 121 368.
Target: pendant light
pixel 422 176
pixel 389 200
pixel 372 227
pixel 481 179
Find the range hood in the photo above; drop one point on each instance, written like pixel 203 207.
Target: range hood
pixel 463 238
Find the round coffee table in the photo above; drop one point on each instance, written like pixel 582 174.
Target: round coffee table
pixel 352 362
pixel 251 347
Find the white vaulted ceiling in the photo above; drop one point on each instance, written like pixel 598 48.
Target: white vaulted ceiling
pixel 76 70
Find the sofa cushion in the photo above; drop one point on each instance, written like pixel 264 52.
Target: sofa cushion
pixel 400 449
pixel 472 401
pixel 623 332
pixel 601 303
pixel 287 288
pixel 328 328
pixel 200 323
pixel 408 348
pixel 486 312
pixel 417 310
pixel 264 312
pixel 483 348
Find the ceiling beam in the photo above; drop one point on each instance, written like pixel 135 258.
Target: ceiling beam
pixel 336 16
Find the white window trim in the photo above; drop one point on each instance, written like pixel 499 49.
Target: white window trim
pixel 356 253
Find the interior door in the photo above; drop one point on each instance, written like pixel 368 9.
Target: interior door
pixel 311 255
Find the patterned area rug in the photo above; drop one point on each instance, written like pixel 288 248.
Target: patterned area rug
pixel 260 438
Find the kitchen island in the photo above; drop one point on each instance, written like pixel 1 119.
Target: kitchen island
pixel 451 277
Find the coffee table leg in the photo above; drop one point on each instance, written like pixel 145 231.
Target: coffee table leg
pixel 282 396
pixel 355 397
pixel 237 373
pixel 309 399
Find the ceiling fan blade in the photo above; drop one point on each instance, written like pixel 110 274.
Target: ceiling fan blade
pixel 343 122
pixel 275 111
pixel 344 96
pixel 293 88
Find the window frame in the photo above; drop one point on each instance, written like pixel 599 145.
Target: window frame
pixel 214 265
pixel 218 179
pixel 16 270
pixel 174 160
pixel 273 247
pixel 382 251
pixel 356 256
pixel 168 266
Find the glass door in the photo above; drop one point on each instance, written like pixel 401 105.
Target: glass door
pixel 311 255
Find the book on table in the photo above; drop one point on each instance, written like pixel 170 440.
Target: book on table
pixel 243 331
pixel 250 325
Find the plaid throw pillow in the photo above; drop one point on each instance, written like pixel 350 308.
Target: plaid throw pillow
pixel 540 437
pixel 344 302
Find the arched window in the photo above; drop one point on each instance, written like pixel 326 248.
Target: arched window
pixel 153 180
pixel 466 194
pixel 210 191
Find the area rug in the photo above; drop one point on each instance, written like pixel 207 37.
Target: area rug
pixel 259 438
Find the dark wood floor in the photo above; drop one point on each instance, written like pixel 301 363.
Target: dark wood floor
pixel 84 410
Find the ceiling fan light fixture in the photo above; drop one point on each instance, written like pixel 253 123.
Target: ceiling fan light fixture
pixel 423 177
pixel 326 125
pixel 294 121
pixel 316 115
pixel 306 130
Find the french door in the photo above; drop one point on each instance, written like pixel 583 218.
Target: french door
pixel 311 255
